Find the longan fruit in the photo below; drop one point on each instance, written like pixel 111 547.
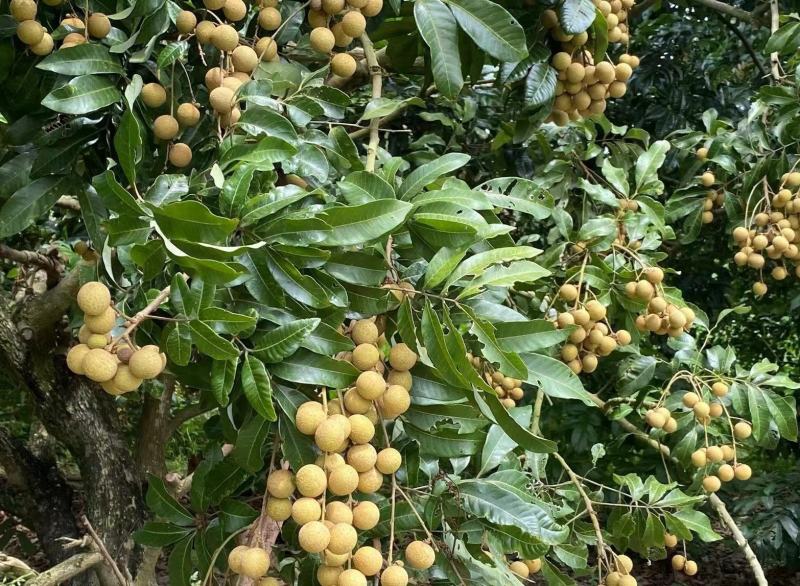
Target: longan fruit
pixel 420 555
pixel 597 310
pixel 338 512
pixel 180 154
pixel 98 25
pixel 103 323
pixel 670 540
pixel 617 89
pixel 711 484
pixel 305 510
pixel 204 31
pixel 364 332
pixel 366 515
pixel 124 380
pixel 343 539
pixel 367 560
pixel 314 536
pixel 279 509
pixel 234 10
pixel 330 558
pixel 568 292
pixel 225 38
pixel 43 47
pixel 343 480
pixel 154 95
pixel 690 399
pixel 369 482
pixel 213 78
pixel 268 581
pixel 623 337
pixel 714 454
pixel 624 564
pixel 73 22
pixel 214 4
pixel 329 575
pixel 254 562
pixel 742 430
pixel 311 481
pixel 354 24
pixel 605 72
pixel 94 298
pixel 75 358
pixel 372 8
pixel 701 409
pixel 581 316
pixel 357 3
pixel 715 409
pixel 185 22
pixel 401 357
pixel 671 425
pixel 588 364
pixel 362 457
pixel 727 452
pixel 742 472
pixel 613 578
pixel 333 6
pixel 655 419
pixel 760 289
pixel 165 127
pixel 244 59
pixel 322 39
pixel 221 99
pixel 370 385
pixel 280 484
pixel 519 568
pixel 394 402
pixel 533 565
pixel 99 365
pixel 362 429
pixel 317 18
pixel 394 576
pixel 725 473
pixel 330 434
pixel 269 18
pixel 365 356
pixel 690 569
pixel 23 10
pixel 388 461
pixel 561 61
pixel 678 562
pixel 352 577
pixel 30 32
pixel 235 558
pixel 146 362
pixel 343 65
pixel 355 403
pixel 309 416
pixel 98 341
pixel 707 179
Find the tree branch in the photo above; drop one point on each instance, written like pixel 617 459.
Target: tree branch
pixel 746 42
pixel 377 87
pixel 774 60
pixel 50 264
pixel 729 10
pixel 69 202
pixel 67 569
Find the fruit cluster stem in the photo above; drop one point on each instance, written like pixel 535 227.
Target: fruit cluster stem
pixel 143 314
pixel 377 87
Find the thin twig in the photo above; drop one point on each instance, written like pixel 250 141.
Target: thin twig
pixel 377 87
pixel 101 546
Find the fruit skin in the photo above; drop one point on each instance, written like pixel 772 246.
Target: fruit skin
pixel 369 481
pixel 362 457
pixel 235 558
pixel 678 562
pixel 711 484
pixel 269 18
pixel 180 154
pixel 311 481
pixel 625 563
pixel 75 358
pixel 221 99
pixel 367 560
pixel 204 30
pixel 279 509
pixel 165 127
pixel 370 385
pixel 362 429
pixel 102 323
pixel 343 539
pixel 388 461
pixel 154 95
pixel 519 568
pixel 30 32
pixel 330 434
pixel 322 39
pixel 742 472
pixel 366 515
pixel 43 47
pixel 244 59
pixel 421 556
pixel 364 332
pixel 395 576
pixel 99 365
pixel 725 473
pixel 124 380
pixel 343 65
pixel 742 430
pixel 328 575
pixel 94 298
pixel 187 114
pixel 305 510
pixel 234 10
pixel 690 569
pixel 23 10
pixel 343 480
pixel 99 25
pixel 670 540
pixel 352 577
pixel 533 565
pixel 395 401
pixel 365 356
pixel 225 38
pixel 354 24
pixel 400 377
pixel 314 537
pixel 146 362
pixel 401 357
pixel 254 563
pixel 185 22
pixel 338 512
pixel 280 484
pixel 309 416
pixel 266 48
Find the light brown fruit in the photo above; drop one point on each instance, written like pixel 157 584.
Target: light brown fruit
pixel 352 577
pixel 330 558
pixel 185 22
pixel 234 10
pixel 362 430
pixel 180 154
pixel 355 403
pixel 742 430
pixel 305 510
pixel 244 59
pixel 187 114
pixel 534 565
pixel 99 25
pixel 99 365
pixel 690 569
pixel 280 484
pixel 225 38
pixel 30 32
pixel 165 127
pixel 214 4
pixel 701 410
pixel 354 24
pixel 343 481
pixel 624 564
pixel 204 30
pixel 329 575
pixel 314 537
pixel 338 512
pixel 124 380
pixel 146 362
pixel 519 568
pixel 369 481
pixel 279 509
pixel 690 399
pixel 102 323
pixel 670 540
pixel 154 95
pixel 75 358
pixel 254 563
pixel 742 472
pixel 23 10
pixel 364 332
pixel 671 425
pixel 94 298
pixel 362 457
pixel 311 481
pixel 394 576
pixel 322 39
pixel 394 402
pixel 714 454
pixel 43 47
pixel 568 292
pixel 370 385
pixel 388 461
pixel 372 8
pixel 235 558
pixel 366 515
pixel 401 357
pixel 269 18
pixel 222 99
pixel 420 555
pixel 678 562
pixel 343 65
pixel 330 434
pixel 309 416
pixel 368 560
pixel 343 539
pixel 365 356
pixel 725 473
pixel 711 484
pixel 333 6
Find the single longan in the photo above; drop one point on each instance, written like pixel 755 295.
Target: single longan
pixel 235 558
pixel 329 575
pixel 333 559
pixel 355 403
pixel 221 99
pixel 154 95
pixel 534 565
pixel 322 39
pixel 280 484
pixel 234 10
pixel 369 481
pixel 94 298
pixel 338 512
pixel 279 509
pixel 343 538
pixel 269 18
pixel 365 356
pixel 711 484
pixel 742 472
pixel 99 365
pixel 146 362
pixel 670 540
pixel 75 358
pixel 568 292
pixel 625 564
pixel 311 481
pixel 714 454
pixel 309 416
pixel 244 59
pixel 254 563
pixel 366 515
pixel 99 25
pixel 185 22
pixel 343 65
pixel 370 385
pixel 187 114
pixel 354 24
pixel 314 536
pixel 519 568
pixel 330 434
pixel 343 480
pixel 165 127
pixel 124 380
pixel 420 555
pixel 352 577
pixel 180 154
pixel 368 560
pixel 690 569
pixel 690 399
pixel 394 402
pixel 725 473
pixel 43 47
pixel 394 576
pixel 362 457
pixel 23 10
pixel 742 430
pixel 362 429
pixel 707 179
pixel 204 30
pixel 30 32
pixel 401 357
pixel 388 461
pixel 267 48
pixel 678 562
pixel 225 38
pixel 305 510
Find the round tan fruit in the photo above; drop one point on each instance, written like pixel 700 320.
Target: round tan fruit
pixel 75 358
pixel 690 569
pixel 23 10
pixel 225 38
pixel 690 399
pixel 97 340
pixel 394 402
pixel 154 95
pixel 366 515
pixel 235 558
pixel 180 154
pixel 368 560
pixel 420 555
pixel 362 429
pixel 534 565
pixel 330 434
pixel 222 99
pixel 234 10
pixel 519 568
pixel 331 559
pixel 254 563
pixel 670 540
pixel 279 509
pixel 99 25
pixel 742 472
pixel 165 127
pixel 309 416
pixel 711 484
pixel 94 298
pixel 742 430
pixel 204 30
pixel 388 461
pixel 146 362
pixel 314 537
pixel 244 59
pixel 269 18
pixel 338 512
pixel 401 357
pixel 365 356
pixel 329 575
pixel 394 576
pixel 43 47
pixel 725 473
pixel 311 480
pixel 102 323
pixel 355 403
pixel 343 65
pixel 305 510
pixel 352 577
pixel 185 22
pixel 370 385
pixel 364 332
pixel 624 564
pixel 678 562
pixel 370 481
pixel 187 114
pixel 362 457
pixel 343 539
pixel 30 32
pixel 714 454
pixel 354 24
pixel 267 49
pixel 343 480
pixel 124 380
pixel 322 39
pixel 400 377
pixel 99 365
pixel 280 484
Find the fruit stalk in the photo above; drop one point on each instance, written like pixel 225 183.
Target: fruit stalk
pixel 377 87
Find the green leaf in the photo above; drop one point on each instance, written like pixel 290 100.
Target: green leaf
pixel 540 84
pixel 163 504
pixel 81 59
pixel 210 342
pixel 82 95
pixel 575 16
pixel 784 40
pixel 179 343
pixel 430 172
pixel 555 378
pixel 27 204
pixel 647 166
pixel 236 515
pixel 116 197
pixel 180 566
pixel 227 322
pixel 529 336
pixel 438 352
pixel 759 412
pixel 497 503
pixel 257 120
pixel 249 449
pixel 223 375
pixel 236 190
pixel 297 448
pixel 257 387
pixel 464 417
pixel 477 263
pixel 521 271
pixel 362 187
pixel 784 413
pixel 307 368
pixel 283 341
pixel 157 534
pixel 498 444
pixel 439 30
pixel 192 221
pixel 495 411
pixel 492 28
pixel 698 523
pixel 363 223
pixel 445 443
pixel 264 153
pixel 509 363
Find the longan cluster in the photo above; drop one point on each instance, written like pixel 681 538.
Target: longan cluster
pixel 660 317
pixel 116 365
pixel 319 497
pixel 621 574
pixel 770 237
pixel 584 82
pixel 593 338
pixel 250 562
pixel 508 390
pixel 661 418
pixel 40 42
pixel 679 562
pixel 525 568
